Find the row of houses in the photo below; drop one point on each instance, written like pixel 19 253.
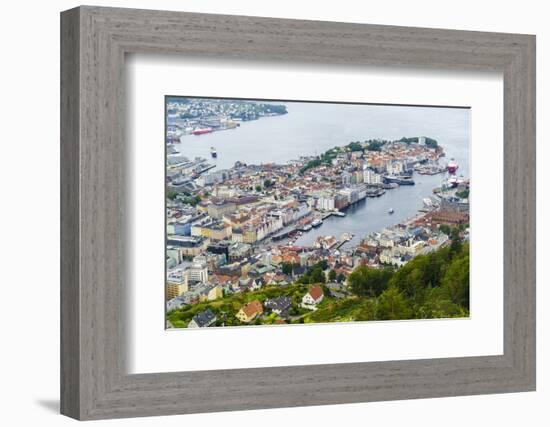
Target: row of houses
pixel 254 309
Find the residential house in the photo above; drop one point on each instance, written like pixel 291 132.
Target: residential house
pixel 313 298
pixel 337 290
pixel 175 303
pixel 250 311
pixel 280 305
pixel 203 319
pixel 215 293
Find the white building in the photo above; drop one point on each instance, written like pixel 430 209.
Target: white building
pixel 395 168
pixel 209 179
pixel 197 272
pixel 313 297
pixel 325 203
pixel 371 177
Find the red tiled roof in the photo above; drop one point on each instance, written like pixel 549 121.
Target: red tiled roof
pixel 252 308
pixel 316 292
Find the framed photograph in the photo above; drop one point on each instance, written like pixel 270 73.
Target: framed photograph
pixel 286 236
pixel 278 213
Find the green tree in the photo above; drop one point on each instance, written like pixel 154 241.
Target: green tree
pixel 192 200
pixel 367 281
pixel 287 267
pixel 392 305
pixel 422 273
pixel 438 305
pixel 444 228
pixel 340 278
pixel 304 280
pixel 332 275
pixel 463 194
pixel 355 146
pixel 375 146
pixel 317 276
pixel 258 188
pixel 456 282
pixel 410 279
pixel 368 310
pixel 456 243
pixel 310 165
pixel 434 268
pixel 323 264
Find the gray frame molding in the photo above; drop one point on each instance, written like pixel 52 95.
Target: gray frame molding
pixel 94 41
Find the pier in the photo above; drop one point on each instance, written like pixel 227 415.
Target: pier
pixel 346 237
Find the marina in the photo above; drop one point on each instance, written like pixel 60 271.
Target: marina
pixel 371 215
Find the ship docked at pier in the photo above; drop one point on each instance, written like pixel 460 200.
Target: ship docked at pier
pixel 452 166
pixel 201 131
pixel 317 222
pixel 399 179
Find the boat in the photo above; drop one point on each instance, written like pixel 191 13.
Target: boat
pixel 452 166
pixel 201 131
pixel 213 152
pixel 399 179
pixel 375 192
pixel 316 222
pixel 170 149
pixel 428 202
pixel 390 186
pixel 390 211
pixel 304 228
pixel 452 182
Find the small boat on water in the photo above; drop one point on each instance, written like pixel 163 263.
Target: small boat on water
pixel 316 222
pixel 213 152
pixel 390 211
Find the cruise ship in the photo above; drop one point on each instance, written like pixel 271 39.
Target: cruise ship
pixel 452 166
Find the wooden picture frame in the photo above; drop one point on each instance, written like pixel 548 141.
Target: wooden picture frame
pixel 94 382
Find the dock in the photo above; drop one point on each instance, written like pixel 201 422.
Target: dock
pixel 346 237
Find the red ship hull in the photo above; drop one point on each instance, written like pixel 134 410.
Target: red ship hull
pixel 201 131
